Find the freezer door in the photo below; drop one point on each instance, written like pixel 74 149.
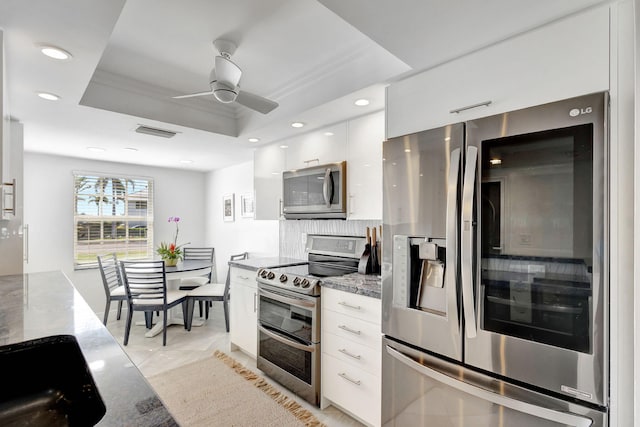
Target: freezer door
pixel 534 248
pixel 419 390
pixel 420 252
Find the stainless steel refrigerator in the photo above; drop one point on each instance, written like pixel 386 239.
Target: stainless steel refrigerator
pixel 494 282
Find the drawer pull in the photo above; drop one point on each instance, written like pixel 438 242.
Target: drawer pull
pixel 346 377
pixel 346 304
pixel 243 277
pixel 348 329
pixel 345 351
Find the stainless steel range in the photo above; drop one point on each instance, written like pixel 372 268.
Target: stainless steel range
pixel 289 313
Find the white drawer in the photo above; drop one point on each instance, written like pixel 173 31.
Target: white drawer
pixel 359 306
pixel 352 389
pixel 243 277
pixel 349 351
pixel 356 330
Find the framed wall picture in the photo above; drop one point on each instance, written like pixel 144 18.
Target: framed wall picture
pixel 247 205
pixel 227 203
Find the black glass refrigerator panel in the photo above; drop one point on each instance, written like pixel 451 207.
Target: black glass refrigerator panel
pixel 536 225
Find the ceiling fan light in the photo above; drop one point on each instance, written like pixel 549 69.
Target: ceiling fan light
pixel 223 93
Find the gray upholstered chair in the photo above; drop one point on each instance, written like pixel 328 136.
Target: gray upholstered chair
pixel 212 292
pixel 112 282
pixel 146 288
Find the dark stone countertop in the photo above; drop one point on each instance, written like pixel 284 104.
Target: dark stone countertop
pixel 43 304
pixel 267 262
pixel 369 285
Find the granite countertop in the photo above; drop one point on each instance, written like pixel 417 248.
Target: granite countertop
pixel 266 262
pixel 42 304
pixel 369 285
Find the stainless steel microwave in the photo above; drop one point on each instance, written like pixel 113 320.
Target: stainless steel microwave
pixel 317 192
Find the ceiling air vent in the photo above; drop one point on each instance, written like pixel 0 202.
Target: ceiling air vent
pixel 155 131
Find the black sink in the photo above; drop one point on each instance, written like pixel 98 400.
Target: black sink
pixel 46 382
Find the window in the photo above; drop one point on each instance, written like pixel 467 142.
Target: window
pixel 111 214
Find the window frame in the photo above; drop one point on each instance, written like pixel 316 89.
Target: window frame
pixel 121 243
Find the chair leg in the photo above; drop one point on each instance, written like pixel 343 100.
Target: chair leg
pixel 225 304
pixel 206 310
pixel 164 327
pixel 127 326
pixel 148 319
pixel 106 311
pixel 200 307
pixel 119 309
pixel 187 313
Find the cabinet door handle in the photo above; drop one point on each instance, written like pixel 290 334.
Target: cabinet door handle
pixel 255 302
pixel 243 277
pixel 346 377
pixel 345 351
pixel 348 329
pixel 346 304
pixel 469 107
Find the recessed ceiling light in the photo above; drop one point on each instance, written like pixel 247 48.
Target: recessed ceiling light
pixel 328 134
pixel 297 124
pixel 361 102
pixel 96 149
pixel 55 52
pixel 130 149
pixel 275 173
pixel 407 150
pixel 254 139
pixel 186 162
pixel 284 146
pixel 48 96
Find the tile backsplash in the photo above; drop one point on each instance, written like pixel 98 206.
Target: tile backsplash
pixel 291 232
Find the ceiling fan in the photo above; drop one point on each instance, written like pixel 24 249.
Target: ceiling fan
pixel 224 80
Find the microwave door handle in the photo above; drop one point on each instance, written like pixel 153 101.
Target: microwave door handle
pixel 451 241
pixel 524 403
pixel 328 195
pixel 467 242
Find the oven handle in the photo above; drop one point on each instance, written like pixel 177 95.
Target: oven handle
pixel 282 298
pixel 308 348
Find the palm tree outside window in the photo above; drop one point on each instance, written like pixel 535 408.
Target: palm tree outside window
pixel 112 214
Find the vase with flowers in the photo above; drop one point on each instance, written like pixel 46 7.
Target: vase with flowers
pixel 171 252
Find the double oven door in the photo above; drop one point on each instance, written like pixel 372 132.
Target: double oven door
pixel 289 340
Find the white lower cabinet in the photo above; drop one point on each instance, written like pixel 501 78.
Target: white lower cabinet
pixel 351 359
pixel 243 307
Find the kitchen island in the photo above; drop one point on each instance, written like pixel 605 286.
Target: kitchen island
pixel 43 304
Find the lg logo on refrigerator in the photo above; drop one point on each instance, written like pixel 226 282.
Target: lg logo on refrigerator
pixel 575 112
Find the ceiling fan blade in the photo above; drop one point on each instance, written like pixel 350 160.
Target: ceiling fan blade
pixel 256 102
pixel 227 72
pixel 191 95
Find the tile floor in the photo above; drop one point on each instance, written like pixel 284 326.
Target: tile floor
pixel 184 347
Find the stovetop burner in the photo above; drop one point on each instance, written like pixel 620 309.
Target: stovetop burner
pixel 294 278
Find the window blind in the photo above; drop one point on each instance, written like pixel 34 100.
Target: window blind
pixel 111 214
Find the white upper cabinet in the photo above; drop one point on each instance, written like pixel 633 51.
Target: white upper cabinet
pixel 357 141
pixel 566 58
pixel 268 164
pixel 326 145
pixel 364 166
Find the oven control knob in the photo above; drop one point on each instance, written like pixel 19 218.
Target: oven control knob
pixel 296 281
pixel 263 273
pixel 271 275
pixel 305 283
pixel 283 278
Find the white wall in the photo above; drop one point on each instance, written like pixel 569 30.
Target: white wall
pixel 48 207
pixel 258 237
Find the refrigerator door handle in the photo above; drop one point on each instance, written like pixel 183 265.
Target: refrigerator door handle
pixel 451 241
pixel 487 395
pixel 467 242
